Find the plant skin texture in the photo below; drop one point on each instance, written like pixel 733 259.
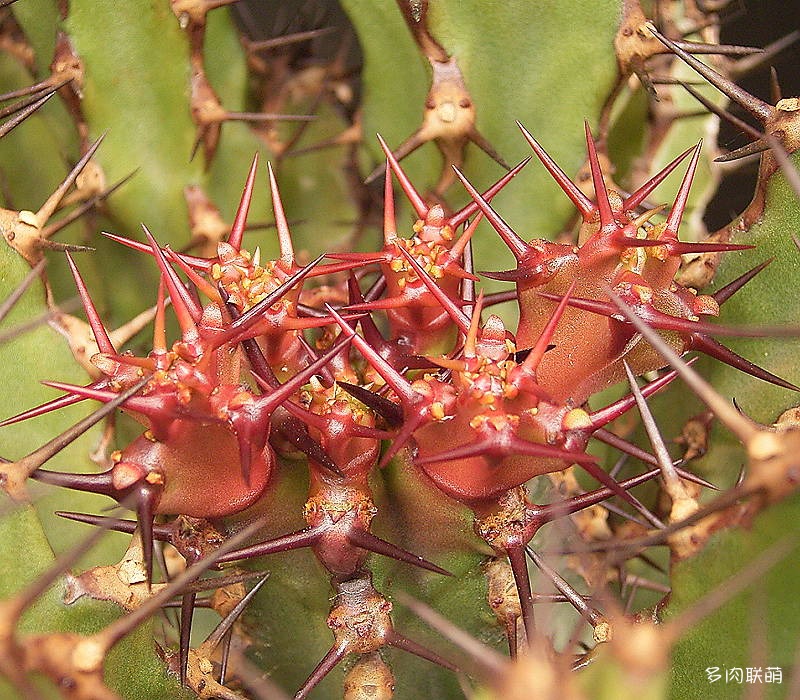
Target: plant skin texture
pixel 442 463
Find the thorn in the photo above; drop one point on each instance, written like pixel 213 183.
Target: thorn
pixel 44 244
pixel 668 80
pixel 198 139
pixel 473 329
pixel 482 142
pixel 267 116
pixel 472 208
pixel 267 403
pixel 655 565
pixel 136 245
pixel 187 613
pixel 620 241
pixel 444 300
pixel 287 39
pixel 517 246
pixel 8 126
pixel 560 509
pixel 186 309
pixel 36 90
pixel 774 85
pixel 597 473
pixel 739 425
pixel 590 614
pixel 616 409
pixel 520 273
pixel 724 500
pixel 741 476
pixel 30 94
pixel 722 113
pixel 244 323
pixel 163 533
pixel 546 336
pixel 745 66
pixel 217 582
pixel 628 448
pixel 680 248
pixel 51 204
pixel 387 409
pixel 398 641
pixel 13 608
pixel 467 285
pixel 240 220
pixel 321 423
pixel 708 346
pixel 145 405
pixel 251 677
pixel 676 213
pixel 785 163
pixel 296 432
pixel 32 462
pixel 21 288
pixel 306 537
pixel 688 476
pixel 226 651
pixel 673 485
pixel 98 329
pixel 582 203
pixel 200 282
pixel 750 149
pixel 519 567
pixel 38 320
pixel 413 196
pixel 79 211
pixel 100 483
pixel 390 375
pixel 225 625
pixel 459 249
pixel 248 319
pixel 147 501
pixel 392 352
pixel 323 668
pixel 599 183
pixel 639 70
pixel 380 304
pixel 510 445
pixel 372 543
pixel 760 110
pixel 389 219
pixel 246 448
pixel 697 47
pixel 643 192
pixel 663 321
pixel 486 660
pixel 284 235
pixel 755 570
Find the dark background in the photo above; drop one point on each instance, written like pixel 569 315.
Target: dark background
pixel 754 23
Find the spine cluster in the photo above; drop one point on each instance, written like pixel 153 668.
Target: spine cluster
pixel 266 367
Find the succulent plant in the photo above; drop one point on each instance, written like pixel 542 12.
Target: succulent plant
pixel 430 462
